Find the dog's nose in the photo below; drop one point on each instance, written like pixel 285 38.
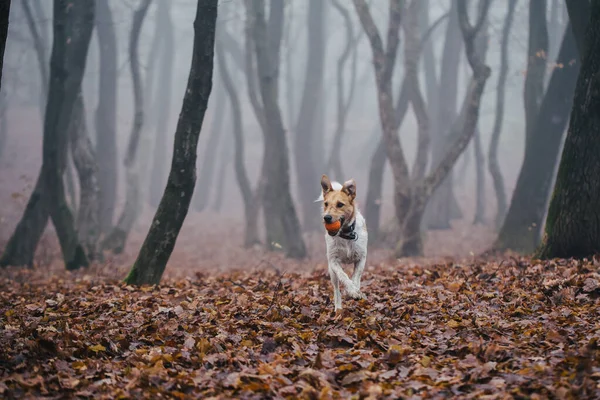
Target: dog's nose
pixel 328 219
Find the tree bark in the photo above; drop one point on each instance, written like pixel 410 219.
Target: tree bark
pixel 522 226
pixel 443 207
pixel 84 158
pixel 537 53
pixel 281 220
pixel 573 223
pixel 493 164
pixel 106 116
pixel 308 177
pixel 209 161
pixel 249 197
pixel 479 180
pixel 163 99
pixel 172 210
pixel 117 238
pixel 73 24
pixel 225 157
pixel 343 102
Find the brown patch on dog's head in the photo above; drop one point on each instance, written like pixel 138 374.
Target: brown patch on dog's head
pixel 338 205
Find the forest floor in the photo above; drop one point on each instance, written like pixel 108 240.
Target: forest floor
pixel 483 328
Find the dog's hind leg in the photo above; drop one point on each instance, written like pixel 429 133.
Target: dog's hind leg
pixel 337 294
pixel 359 267
pixel 351 289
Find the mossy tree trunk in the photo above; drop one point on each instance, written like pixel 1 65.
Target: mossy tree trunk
pixel 573 223
pixel 172 210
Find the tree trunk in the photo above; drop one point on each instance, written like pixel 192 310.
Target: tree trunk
pixel 521 228
pixel 443 207
pixel 493 164
pixel 172 210
pixel 163 99
pixel 4 14
pixel 281 220
pixel 73 24
pixel 88 224
pixel 308 177
pixel 573 223
pixel 375 190
pixel 479 180
pixel 3 121
pixel 106 116
pixel 117 238
pixel 225 156
pixel 343 102
pixel 250 199
pixel 209 161
pixel 537 53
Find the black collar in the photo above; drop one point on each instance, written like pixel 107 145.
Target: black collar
pixel 348 233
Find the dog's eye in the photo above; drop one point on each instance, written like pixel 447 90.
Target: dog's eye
pixel 326 204
pixel 340 205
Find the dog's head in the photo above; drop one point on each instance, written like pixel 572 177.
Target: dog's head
pixel 338 203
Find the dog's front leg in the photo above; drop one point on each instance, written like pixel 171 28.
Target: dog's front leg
pixel 359 267
pixel 337 294
pixel 351 289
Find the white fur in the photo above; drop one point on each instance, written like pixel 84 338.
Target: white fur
pixel 343 251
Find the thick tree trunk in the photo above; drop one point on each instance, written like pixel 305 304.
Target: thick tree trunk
pixel 225 157
pixel 281 220
pixel 521 228
pixel 249 197
pixel 73 23
pixel 174 205
pixel 117 238
pixel 209 161
pixel 573 223
pixel 88 224
pixel 106 116
pixel 443 207
pixel 375 190
pixel 4 13
pixel 163 99
pixel 493 164
pixel 308 177
pixel 537 53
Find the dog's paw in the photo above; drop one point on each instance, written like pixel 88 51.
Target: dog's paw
pixel 357 294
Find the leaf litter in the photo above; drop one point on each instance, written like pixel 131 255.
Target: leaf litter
pixel 487 328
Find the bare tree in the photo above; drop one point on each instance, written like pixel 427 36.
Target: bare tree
pixel 106 115
pixel 116 240
pixel 573 223
pixel 521 230
pixel 493 165
pixel 305 127
pixel 443 207
pixel 281 220
pixel 209 161
pixel 343 101
pixel 174 205
pixel 250 197
pixel 412 192
pixel 163 99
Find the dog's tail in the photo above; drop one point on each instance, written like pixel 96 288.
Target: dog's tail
pixel 334 185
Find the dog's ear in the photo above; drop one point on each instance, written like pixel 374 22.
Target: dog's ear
pixel 325 184
pixel 350 188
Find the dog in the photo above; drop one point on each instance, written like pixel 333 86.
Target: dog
pixel 346 241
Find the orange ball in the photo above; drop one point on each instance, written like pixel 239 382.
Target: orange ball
pixel 334 226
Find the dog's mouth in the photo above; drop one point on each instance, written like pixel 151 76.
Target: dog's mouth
pixel 333 232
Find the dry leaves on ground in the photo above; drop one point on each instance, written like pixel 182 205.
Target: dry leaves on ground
pixel 488 329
